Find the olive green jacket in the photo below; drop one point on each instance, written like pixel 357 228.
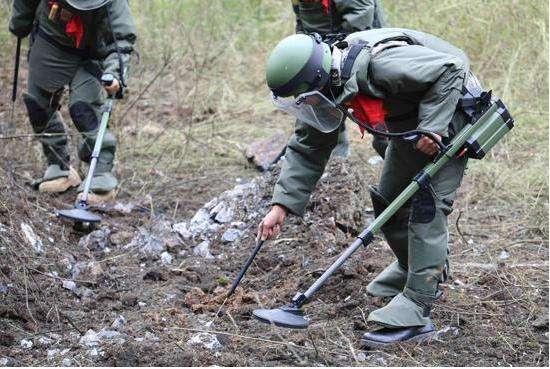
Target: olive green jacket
pixel 345 16
pixel 99 27
pixel 420 84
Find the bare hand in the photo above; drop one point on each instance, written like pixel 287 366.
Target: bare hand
pixel 270 226
pixel 427 145
pixel 113 88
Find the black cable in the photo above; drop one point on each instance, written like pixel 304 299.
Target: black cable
pixel 412 135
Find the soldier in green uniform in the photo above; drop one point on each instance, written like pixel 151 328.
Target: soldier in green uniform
pixel 73 43
pixel 334 18
pixel 419 78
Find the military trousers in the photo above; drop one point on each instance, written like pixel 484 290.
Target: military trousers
pixel 418 236
pixel 50 70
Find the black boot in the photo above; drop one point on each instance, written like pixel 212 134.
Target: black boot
pixel 387 336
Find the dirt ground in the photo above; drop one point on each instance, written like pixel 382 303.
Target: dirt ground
pixel 492 311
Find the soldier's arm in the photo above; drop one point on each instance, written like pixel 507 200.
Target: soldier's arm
pixel 22 18
pixel 306 156
pixel 357 15
pixel 296 9
pixel 416 70
pixel 123 27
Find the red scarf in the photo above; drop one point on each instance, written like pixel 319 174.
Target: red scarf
pixel 368 110
pixel 74 28
pixel 326 6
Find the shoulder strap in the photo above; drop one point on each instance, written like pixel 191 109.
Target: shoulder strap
pixel 354 51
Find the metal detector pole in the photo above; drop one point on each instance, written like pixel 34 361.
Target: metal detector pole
pixel 107 108
pixel 419 181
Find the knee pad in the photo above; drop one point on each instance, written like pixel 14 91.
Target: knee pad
pixel 38 115
pixel 423 207
pixel 108 146
pixel 84 116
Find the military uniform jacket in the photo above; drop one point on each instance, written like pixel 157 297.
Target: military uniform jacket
pixel 99 27
pixel 420 83
pixel 341 16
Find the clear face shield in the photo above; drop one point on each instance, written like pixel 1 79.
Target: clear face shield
pixel 312 108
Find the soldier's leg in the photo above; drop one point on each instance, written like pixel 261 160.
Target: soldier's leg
pixel 42 107
pixel 428 250
pixel 380 144
pixel 396 174
pixel 86 100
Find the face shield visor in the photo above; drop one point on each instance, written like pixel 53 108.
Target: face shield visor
pixel 312 108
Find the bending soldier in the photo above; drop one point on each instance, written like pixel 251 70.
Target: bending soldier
pixel 74 42
pixel 414 81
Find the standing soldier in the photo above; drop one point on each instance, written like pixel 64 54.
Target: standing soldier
pixel 74 43
pixel 414 80
pixel 333 19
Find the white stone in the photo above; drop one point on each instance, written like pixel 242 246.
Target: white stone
pixel 375 160
pixel 166 258
pixel 90 339
pixel 45 341
pixel 119 322
pixel 503 255
pixel 183 230
pixel 141 304
pixel 206 340
pixel 66 362
pixel 107 334
pixel 32 238
pixel 69 285
pixel 203 250
pixel 52 353
pixel 4 361
pixel 26 343
pixel 231 235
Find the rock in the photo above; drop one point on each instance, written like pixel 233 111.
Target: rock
pixel 125 208
pixel 503 255
pixel 183 230
pixel 141 304
pixel 119 322
pixel 166 258
pixel 45 341
pixel 200 222
pixel 97 240
pixel 224 214
pixel 66 362
pixel 231 235
pixel 147 243
pixel 107 334
pixel 264 153
pixel 203 250
pixel 69 285
pixel 3 288
pixel 446 333
pixel 238 225
pixel 95 353
pixel 361 357
pixel 90 339
pixel 26 344
pixel 52 353
pixel 32 238
pixel 84 292
pixel 375 160
pixel 206 340
pixel 7 361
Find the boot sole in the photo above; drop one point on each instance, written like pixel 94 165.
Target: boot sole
pixel 366 343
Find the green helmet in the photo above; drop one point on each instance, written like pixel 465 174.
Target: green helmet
pixel 298 64
pixel 87 5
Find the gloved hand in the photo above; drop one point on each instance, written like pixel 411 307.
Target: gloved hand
pixel 426 145
pixel 270 226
